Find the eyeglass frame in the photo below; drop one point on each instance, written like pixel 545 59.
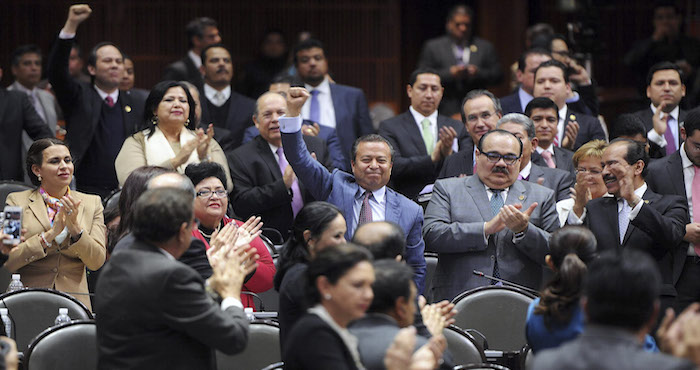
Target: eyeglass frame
pixel 221 193
pixel 501 156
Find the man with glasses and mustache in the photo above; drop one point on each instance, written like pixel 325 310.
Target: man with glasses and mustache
pixel 491 222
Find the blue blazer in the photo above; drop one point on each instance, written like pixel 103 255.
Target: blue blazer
pixel 340 188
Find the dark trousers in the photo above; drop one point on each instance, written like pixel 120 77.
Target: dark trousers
pixel 688 285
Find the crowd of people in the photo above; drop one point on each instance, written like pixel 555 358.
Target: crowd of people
pixel 166 204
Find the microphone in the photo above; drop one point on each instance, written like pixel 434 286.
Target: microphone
pixel 506 282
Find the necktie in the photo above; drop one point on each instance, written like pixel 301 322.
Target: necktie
pixel 668 135
pixel 315 108
pixel 547 155
pixel 365 210
pixel 109 101
pixel 37 106
pixel 695 201
pixel 623 219
pixel 496 205
pixel 428 136
pixel 520 177
pixel 297 201
pixel 219 99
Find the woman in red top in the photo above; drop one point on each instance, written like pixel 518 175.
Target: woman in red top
pixel 210 207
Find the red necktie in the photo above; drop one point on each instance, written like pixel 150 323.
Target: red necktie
pixel 109 101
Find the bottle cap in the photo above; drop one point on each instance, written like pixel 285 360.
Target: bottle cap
pixel 3 311
pixel 63 311
pixel 15 276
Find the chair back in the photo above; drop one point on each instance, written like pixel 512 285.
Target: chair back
pixel 262 350
pixel 462 346
pixel 481 366
pixel 271 297
pixel 275 366
pixel 71 346
pixel 7 187
pixel 499 313
pixel 34 310
pixel 431 261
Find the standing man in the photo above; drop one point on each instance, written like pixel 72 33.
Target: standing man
pixel 490 222
pixel 363 196
pixel 201 32
pixel 98 117
pixel 229 111
pixel 544 113
pixel 527 65
pixel 463 61
pixel 341 107
pixel 664 117
pixel 574 129
pixel 422 139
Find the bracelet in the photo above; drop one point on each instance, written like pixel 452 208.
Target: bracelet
pixel 43 240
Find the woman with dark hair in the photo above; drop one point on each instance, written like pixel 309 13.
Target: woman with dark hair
pixel 171 139
pixel 65 228
pixel 318 225
pixel 136 183
pixel 210 205
pixel 339 290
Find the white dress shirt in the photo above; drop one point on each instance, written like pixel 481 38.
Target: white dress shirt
pixel 114 94
pixel 211 93
pixel 377 203
pixel 325 101
pixel 574 220
pixel 560 125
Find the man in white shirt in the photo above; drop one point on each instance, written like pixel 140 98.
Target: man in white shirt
pixel 545 115
pixel 201 32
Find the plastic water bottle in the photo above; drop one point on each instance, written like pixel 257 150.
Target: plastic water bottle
pixel 4 315
pixel 15 284
pixel 249 313
pixel 62 316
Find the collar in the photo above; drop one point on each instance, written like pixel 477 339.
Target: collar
pixel 324 87
pixel 562 112
pixel 674 113
pixel 550 149
pixel 161 250
pixel 597 331
pixel 639 191
pixel 525 173
pixel 420 117
pixel 209 92
pixel 503 191
pixel 196 59
pixel 684 157
pixel 18 86
pixel 349 339
pixel 378 194
pixel 273 147
pixel 104 95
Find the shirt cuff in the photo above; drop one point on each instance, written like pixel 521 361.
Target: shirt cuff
pixel 483 232
pixel 65 35
pixel 231 302
pixel 654 137
pixel 635 211
pixel 290 125
pixel 574 220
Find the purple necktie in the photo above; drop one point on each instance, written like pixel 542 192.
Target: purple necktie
pixel 109 101
pixel 365 210
pixel 668 135
pixel 315 108
pixel 297 201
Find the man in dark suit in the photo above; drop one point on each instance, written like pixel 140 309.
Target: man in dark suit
pixel 620 300
pixel 17 115
pixel 363 196
pixel 463 61
pixel 524 129
pixel 664 117
pixel 154 312
pixel 341 107
pixel 490 222
pixel 636 217
pixel 481 111
pixel 229 111
pixel 527 65
pixel 98 117
pixel 422 138
pixel 574 128
pixel 675 174
pixel 201 32
pixel 262 187
pixel 544 114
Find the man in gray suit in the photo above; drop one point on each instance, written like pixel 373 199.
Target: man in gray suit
pixel 524 129
pixel 621 303
pixel 489 222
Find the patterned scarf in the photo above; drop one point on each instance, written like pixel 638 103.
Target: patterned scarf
pixel 53 205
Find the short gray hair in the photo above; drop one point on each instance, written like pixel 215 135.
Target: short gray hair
pixel 519 119
pixel 184 182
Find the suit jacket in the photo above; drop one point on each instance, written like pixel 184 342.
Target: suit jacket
pixel 413 168
pixel 51 109
pixel 558 180
pixel 313 345
pixel 589 128
pixel 646 115
pixel 229 134
pixel 82 105
pixel 351 116
pixel 460 163
pixel 184 70
pixel 437 54
pixel 61 269
pixel 454 228
pixel 155 314
pixel 657 230
pixel 563 160
pixel 587 103
pixel 17 115
pixel 340 188
pixel 258 185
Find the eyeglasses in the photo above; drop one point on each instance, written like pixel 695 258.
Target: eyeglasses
pixel 208 193
pixel 508 159
pixel 592 171
pixel 484 116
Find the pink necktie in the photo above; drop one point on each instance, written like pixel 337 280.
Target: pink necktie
pixel 109 101
pixel 695 194
pixel 365 210
pixel 547 155
pixel 297 200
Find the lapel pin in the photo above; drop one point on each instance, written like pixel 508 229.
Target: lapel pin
pixel 521 197
pixel 646 201
pixel 572 117
pixel 127 109
pixel 473 48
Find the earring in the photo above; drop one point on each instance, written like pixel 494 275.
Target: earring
pixel 327 296
pixel 39 177
pixel 187 122
pixel 154 120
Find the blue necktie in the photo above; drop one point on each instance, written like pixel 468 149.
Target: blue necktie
pixel 496 205
pixel 315 108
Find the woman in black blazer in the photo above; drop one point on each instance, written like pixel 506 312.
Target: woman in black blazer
pixel 339 289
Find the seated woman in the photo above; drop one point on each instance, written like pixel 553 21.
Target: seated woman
pixel 318 225
pixel 210 207
pixel 339 290
pixel 65 229
pixel 170 140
